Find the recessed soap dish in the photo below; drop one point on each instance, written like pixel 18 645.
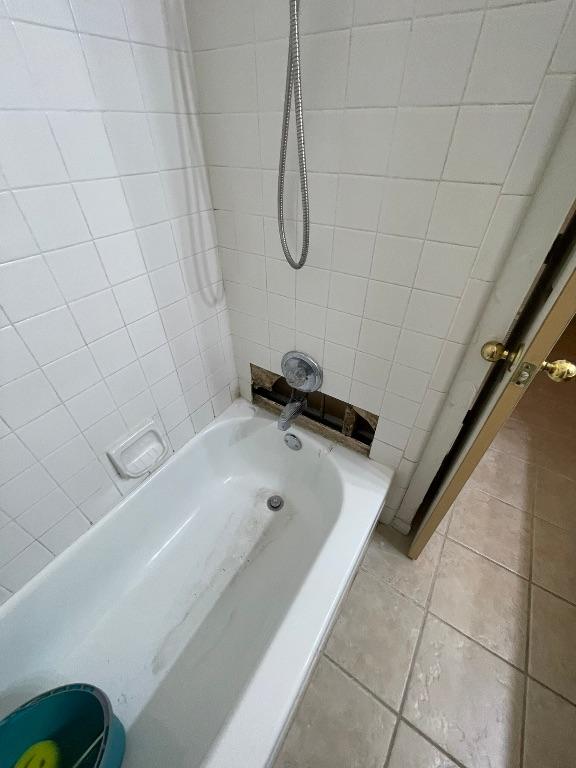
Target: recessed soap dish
pixel 139 453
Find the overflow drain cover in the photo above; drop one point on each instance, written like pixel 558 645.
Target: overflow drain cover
pixel 275 502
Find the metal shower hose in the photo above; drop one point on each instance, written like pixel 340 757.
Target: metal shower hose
pixel 293 82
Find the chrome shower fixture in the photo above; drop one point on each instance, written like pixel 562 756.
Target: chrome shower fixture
pixel 294 84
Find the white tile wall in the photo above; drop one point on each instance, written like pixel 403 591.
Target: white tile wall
pixel 110 285
pixel 428 124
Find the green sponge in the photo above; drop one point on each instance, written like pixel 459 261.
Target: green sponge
pixel 44 754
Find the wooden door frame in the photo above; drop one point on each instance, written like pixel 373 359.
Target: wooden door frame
pixel 556 319
pixel 545 215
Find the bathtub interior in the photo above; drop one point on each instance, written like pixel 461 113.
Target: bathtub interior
pixel 170 602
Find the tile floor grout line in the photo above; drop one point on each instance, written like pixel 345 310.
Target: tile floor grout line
pixel 427 738
pixel 477 643
pixel 362 685
pixel 528 629
pixel 551 690
pixel 412 665
pixel 554 594
pixel 485 557
pixel 392 587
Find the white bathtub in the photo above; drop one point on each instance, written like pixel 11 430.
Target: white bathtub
pixel 198 610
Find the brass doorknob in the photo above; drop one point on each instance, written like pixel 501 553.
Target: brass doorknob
pixel 560 370
pixel 492 351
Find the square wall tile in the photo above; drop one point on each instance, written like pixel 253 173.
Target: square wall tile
pixel 54 216
pixel 342 328
pixel 17 89
pixel 548 115
pixel 65 532
pixel 48 432
pixel 104 206
pixel 513 52
pixel 26 565
pixel 15 357
pixel 27 288
pixel 406 207
pixel 372 370
pixel 418 350
pixel 396 259
pixel 444 268
pixel 28 153
pixel 421 140
pixel 373 11
pixel 83 143
pixel 366 140
pixel 484 143
pixel 49 12
pixel 15 458
pixel 26 489
pixel 378 338
pixel 77 270
pixel 58 67
pixel 45 513
pixel 358 202
pixel 408 382
pixel 374 50
pixel 352 251
pixel 113 73
pixel 51 335
pixel 430 313
pixel 347 293
pixel 72 374
pixel 386 303
pixel 13 540
pixel 97 315
pixel 441 50
pixel 121 257
pixel 461 212
pixel 17 241
pixel 228 80
pixel 324 57
pixel 91 405
pixel 113 352
pixel 129 136
pixel 102 18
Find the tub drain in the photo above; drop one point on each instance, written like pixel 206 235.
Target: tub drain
pixel 275 502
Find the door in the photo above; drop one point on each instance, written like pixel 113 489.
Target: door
pixel 546 313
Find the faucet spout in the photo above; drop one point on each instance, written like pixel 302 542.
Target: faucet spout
pixel 289 413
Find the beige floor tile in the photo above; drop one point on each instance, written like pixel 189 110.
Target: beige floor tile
pixel 554 566
pixel 507 478
pixel 375 636
pixel 337 725
pixel 465 699
pixel 550 733
pixel 555 499
pixel 553 643
pixel 387 559
pixel 483 600
pixel 557 454
pixel 410 750
pixel 493 528
pixel 445 522
pixel 517 437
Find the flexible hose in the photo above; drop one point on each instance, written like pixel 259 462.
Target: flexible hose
pixel 294 84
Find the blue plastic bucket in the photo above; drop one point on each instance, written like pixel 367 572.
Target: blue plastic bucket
pixel 74 716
